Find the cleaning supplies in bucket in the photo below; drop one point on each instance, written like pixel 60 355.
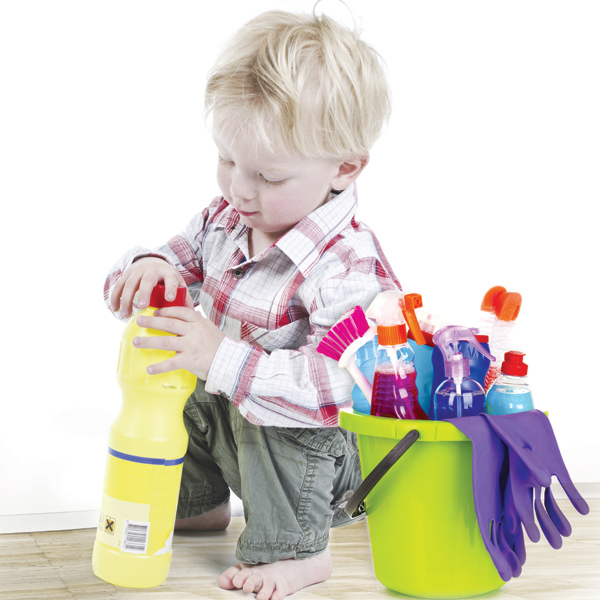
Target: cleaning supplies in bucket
pixel 505 310
pixel 342 341
pixel 352 331
pixel 510 393
pixel 479 364
pixel 458 395
pixel 395 392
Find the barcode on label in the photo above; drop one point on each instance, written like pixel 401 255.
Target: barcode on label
pixel 135 536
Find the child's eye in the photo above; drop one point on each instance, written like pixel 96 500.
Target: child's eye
pixel 228 163
pixel 274 183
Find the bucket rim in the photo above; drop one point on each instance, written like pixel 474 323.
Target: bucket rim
pixel 384 427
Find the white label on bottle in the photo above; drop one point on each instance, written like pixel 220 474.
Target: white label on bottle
pixel 135 536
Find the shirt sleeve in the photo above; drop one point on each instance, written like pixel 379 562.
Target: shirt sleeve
pixel 298 388
pixel 183 251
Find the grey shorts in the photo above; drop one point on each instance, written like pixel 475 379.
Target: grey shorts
pixel 289 479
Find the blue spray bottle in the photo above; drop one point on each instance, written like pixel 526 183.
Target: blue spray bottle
pixel 479 364
pixel 458 395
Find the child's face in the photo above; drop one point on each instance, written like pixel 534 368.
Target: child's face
pixel 272 192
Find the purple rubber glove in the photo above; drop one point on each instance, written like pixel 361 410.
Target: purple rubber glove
pixel 534 457
pixel 490 470
pixel 511 537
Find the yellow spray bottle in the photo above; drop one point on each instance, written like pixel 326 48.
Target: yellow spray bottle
pixel 146 446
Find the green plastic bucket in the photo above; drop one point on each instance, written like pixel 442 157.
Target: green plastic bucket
pixel 423 528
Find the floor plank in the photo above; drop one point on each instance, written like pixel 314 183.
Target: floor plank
pixel 57 566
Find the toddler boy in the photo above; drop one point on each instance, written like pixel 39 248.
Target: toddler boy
pixel 296 102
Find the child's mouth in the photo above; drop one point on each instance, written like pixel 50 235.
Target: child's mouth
pixel 246 214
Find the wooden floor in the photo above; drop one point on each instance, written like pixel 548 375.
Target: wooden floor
pixel 57 566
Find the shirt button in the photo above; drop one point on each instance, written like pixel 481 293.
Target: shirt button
pixel 238 273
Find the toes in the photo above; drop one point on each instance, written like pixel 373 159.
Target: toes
pixel 225 579
pixel 254 583
pixel 279 594
pixel 266 592
pixel 240 578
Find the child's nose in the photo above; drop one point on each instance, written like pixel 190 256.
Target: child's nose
pixel 242 187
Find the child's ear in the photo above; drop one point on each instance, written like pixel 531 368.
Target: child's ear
pixel 349 170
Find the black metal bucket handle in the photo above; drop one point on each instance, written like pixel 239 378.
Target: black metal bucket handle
pixel 356 498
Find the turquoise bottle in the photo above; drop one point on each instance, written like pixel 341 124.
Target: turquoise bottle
pixel 510 392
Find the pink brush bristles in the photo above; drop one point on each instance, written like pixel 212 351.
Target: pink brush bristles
pixel 343 340
pixel 351 327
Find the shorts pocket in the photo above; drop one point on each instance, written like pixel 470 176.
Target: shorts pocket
pixel 327 440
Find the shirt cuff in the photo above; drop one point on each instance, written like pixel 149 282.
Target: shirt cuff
pixel 229 367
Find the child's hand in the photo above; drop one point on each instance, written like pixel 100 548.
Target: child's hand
pixel 196 344
pixel 143 275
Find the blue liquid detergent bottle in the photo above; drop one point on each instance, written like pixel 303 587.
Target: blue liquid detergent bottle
pixel 459 395
pixel 510 393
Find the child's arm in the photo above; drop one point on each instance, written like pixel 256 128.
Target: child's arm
pixel 298 387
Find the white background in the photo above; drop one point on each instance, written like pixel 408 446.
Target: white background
pixel 488 174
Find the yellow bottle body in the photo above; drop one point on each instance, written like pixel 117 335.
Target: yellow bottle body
pixel 147 443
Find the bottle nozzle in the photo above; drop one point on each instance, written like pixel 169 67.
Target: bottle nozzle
pixel 447 340
pixel 408 303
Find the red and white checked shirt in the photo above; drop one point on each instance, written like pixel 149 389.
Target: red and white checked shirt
pixel 277 306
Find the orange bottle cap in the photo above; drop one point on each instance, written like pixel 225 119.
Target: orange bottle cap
pixel 393 335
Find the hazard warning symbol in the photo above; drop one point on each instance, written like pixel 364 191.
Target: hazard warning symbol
pixel 109 525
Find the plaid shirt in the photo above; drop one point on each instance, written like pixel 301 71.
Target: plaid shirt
pixel 277 306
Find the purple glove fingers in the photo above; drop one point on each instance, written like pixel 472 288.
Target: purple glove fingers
pixel 557 516
pixel 548 527
pixel 513 560
pixel 580 505
pixel 523 499
pixel 501 554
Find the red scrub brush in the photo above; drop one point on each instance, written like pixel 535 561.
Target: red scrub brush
pixel 342 341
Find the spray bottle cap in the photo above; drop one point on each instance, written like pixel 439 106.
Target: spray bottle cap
pixel 158 300
pixel 394 307
pixel 513 364
pixel 394 335
pixel 455 365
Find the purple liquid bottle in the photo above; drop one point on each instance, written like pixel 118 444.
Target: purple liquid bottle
pixel 395 393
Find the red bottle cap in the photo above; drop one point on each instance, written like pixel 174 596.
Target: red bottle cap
pixel 482 339
pixel 394 335
pixel 513 364
pixel 157 298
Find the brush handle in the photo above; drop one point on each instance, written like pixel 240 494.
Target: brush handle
pixel 361 380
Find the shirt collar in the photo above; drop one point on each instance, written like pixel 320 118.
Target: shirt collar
pixel 304 243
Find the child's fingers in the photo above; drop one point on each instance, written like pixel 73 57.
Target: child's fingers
pixel 129 289
pixel 147 284
pixel 172 281
pixel 115 296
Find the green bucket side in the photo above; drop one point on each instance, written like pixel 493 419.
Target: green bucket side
pixel 424 534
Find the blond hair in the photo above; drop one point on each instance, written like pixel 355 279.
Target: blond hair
pixel 303 80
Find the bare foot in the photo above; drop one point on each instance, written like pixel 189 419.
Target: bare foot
pixel 277 580
pixel 215 520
